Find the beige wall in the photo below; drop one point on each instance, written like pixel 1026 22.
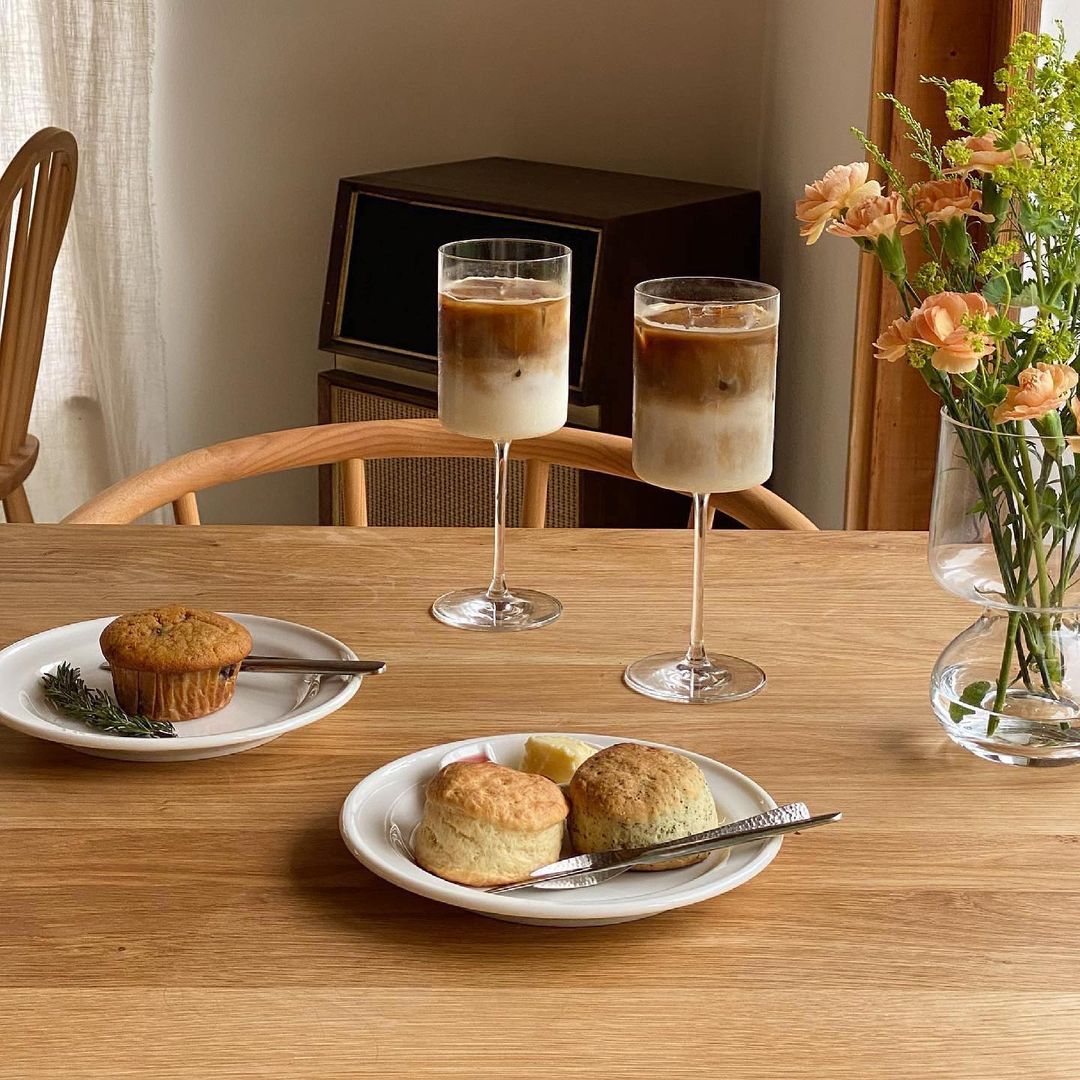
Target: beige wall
pixel 1067 12
pixel 260 105
pixel 817 86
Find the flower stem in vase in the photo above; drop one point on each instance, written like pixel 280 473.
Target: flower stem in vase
pixel 1004 680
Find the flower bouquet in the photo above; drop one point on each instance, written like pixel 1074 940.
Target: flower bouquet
pixel 992 323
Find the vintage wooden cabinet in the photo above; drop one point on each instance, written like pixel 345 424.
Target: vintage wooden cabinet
pixel 379 312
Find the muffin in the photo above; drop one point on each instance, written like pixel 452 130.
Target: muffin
pixel 174 663
pixel 485 824
pixel 629 796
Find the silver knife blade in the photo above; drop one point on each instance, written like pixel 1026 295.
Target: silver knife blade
pixel 312 667
pixel 737 834
pixel 605 860
pixel 298 666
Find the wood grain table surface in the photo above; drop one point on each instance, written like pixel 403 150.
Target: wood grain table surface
pixel 204 919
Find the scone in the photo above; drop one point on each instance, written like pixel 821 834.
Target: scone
pixel 629 795
pixel 485 824
pixel 174 663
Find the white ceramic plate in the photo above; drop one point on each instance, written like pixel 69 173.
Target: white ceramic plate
pixel 382 811
pixel 263 707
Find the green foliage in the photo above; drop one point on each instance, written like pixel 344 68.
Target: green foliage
pixel 930 278
pixel 925 150
pixel 877 155
pixel 919 354
pixel 997 259
pixel 970 700
pixel 1000 327
pixel 1054 342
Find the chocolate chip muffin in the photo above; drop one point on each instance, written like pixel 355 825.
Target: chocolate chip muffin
pixel 174 663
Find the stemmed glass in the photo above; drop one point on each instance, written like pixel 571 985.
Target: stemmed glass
pixel 504 345
pixel 704 386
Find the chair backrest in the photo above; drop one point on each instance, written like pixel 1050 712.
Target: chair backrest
pixel 178 480
pixel 36 191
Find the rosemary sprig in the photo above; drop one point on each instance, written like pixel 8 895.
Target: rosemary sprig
pixel 66 690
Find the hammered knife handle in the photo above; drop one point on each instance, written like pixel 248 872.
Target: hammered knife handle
pixel 788 814
pixel 603 860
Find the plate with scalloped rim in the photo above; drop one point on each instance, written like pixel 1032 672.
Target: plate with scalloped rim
pixel 264 706
pixel 381 813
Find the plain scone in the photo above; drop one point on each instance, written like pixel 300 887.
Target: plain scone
pixel 629 795
pixel 485 824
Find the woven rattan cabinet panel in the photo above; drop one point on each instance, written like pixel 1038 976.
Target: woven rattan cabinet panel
pixel 439 491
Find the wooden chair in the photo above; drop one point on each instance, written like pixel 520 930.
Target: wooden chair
pixel 177 481
pixel 41 179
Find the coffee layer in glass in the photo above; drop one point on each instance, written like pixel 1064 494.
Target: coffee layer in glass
pixel 703 404
pixel 503 357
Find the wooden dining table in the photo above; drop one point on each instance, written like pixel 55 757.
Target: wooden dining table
pixel 204 918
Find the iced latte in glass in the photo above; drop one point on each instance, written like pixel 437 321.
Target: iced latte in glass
pixel 504 349
pixel 704 387
pixel 703 396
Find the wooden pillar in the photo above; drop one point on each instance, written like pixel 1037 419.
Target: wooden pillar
pixel 894 417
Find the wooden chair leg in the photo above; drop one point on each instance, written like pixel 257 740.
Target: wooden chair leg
pixel 186 510
pixel 534 506
pixel 354 492
pixel 17 507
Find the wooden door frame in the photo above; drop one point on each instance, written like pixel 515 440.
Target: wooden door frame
pixel 892 438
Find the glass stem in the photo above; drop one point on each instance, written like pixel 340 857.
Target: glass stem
pixel 497 589
pixel 695 655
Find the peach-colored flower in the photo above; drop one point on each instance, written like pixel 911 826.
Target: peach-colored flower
pixel 1043 388
pixel 942 200
pixel 986 157
pixel 938 321
pixel 873 218
pixel 894 340
pixel 842 186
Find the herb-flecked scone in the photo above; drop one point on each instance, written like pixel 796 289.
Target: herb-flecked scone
pixel 174 662
pixel 485 824
pixel 629 795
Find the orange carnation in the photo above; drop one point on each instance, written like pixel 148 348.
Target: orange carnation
pixel 939 321
pixel 827 199
pixel 939 201
pixel 1042 389
pixel 985 155
pixel 894 341
pixel 874 218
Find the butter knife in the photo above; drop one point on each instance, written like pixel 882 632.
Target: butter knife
pixel 297 666
pixel 583 870
pixel 312 667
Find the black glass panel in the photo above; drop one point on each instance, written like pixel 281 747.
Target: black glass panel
pixel 390 294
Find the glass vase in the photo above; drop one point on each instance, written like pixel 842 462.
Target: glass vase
pixel 1004 535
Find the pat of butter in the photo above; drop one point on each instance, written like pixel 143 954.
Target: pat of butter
pixel 555 756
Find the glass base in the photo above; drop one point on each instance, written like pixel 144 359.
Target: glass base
pixel 670 677
pixel 1035 725
pixel 470 609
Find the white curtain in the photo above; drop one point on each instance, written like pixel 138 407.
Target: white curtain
pixel 99 413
